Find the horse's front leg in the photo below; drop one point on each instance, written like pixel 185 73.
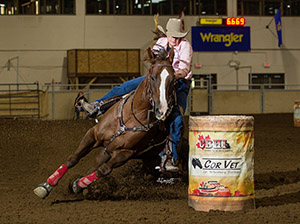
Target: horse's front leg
pixel 115 159
pixel 85 146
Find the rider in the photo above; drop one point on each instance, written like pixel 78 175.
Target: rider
pixel 182 63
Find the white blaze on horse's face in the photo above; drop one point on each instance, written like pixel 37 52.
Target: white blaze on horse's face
pixel 163 94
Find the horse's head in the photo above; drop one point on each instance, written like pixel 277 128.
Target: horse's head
pixel 161 83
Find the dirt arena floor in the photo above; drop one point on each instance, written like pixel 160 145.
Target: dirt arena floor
pixel 31 150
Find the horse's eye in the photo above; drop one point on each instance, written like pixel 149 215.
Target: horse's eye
pixel 153 78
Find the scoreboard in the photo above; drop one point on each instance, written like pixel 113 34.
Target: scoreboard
pixel 229 21
pixel 232 21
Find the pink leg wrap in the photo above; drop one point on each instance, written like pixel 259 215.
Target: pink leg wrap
pixel 87 180
pixel 57 175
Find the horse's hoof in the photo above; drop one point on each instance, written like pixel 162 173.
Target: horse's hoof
pixel 76 189
pixel 42 190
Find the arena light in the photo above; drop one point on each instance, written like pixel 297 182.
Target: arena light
pixel 234 64
pixel 2 9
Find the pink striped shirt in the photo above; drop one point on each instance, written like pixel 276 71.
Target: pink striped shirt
pixel 182 58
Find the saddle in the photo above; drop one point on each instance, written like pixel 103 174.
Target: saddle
pixel 106 104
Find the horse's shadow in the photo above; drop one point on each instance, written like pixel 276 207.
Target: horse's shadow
pixel 67 201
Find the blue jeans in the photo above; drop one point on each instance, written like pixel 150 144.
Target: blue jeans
pixel 78 110
pixel 176 124
pixel 123 89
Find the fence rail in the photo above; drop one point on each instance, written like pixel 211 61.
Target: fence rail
pixel 20 100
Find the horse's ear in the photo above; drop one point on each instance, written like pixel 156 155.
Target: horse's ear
pixel 150 55
pixel 171 55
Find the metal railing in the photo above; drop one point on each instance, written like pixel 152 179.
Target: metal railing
pixel 24 100
pixel 55 89
pixel 20 100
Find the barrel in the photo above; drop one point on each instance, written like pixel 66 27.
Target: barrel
pixel 221 163
pixel 297 113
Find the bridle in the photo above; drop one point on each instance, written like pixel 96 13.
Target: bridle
pixel 170 105
pixel 141 127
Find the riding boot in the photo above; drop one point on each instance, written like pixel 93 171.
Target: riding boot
pixel 163 162
pixel 170 166
pixel 167 163
pixel 92 110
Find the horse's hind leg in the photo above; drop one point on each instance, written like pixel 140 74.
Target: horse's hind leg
pixel 117 159
pixel 83 149
pixel 101 158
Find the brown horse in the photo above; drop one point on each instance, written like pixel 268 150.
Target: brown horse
pixel 125 129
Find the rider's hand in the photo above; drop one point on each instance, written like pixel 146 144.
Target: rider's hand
pixel 180 74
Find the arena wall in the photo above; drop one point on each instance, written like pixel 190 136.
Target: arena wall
pixel 280 102
pixel 199 100
pixel 59 105
pixel 234 102
pixel 34 48
pixel 41 42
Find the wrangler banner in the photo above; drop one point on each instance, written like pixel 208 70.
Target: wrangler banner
pixel 221 39
pixel 221 163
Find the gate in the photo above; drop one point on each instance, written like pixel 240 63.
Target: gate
pixel 20 100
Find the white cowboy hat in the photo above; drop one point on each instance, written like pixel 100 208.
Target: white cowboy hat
pixel 173 28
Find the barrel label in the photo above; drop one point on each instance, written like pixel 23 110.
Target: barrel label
pixel 206 142
pixel 221 163
pixel 216 166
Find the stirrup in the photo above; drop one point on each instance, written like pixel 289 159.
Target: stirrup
pixel 76 189
pixel 43 190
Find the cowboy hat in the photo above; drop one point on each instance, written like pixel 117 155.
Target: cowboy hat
pixel 173 28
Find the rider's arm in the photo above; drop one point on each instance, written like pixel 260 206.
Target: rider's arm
pixel 183 70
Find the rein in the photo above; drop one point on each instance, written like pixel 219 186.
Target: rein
pixel 161 65
pixel 150 93
pixel 123 127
